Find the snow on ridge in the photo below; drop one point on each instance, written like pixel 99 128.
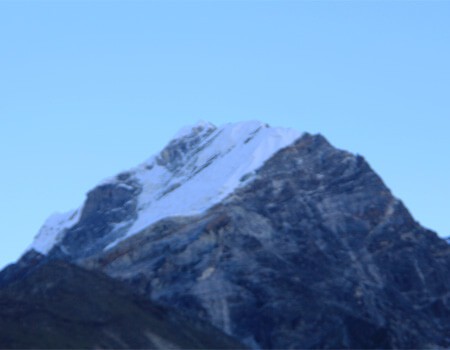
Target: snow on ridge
pixel 53 229
pixel 201 166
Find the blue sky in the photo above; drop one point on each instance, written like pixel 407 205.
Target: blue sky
pixel 90 88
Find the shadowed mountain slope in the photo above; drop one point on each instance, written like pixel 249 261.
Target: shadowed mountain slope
pixel 57 305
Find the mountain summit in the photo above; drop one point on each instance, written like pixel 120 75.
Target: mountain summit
pixel 196 170
pixel 274 237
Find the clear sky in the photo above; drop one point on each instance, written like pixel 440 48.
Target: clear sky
pixel 88 89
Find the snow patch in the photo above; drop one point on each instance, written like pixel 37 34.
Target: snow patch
pixel 53 229
pixel 207 273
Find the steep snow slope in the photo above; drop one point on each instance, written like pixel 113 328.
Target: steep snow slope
pixel 53 229
pixel 199 168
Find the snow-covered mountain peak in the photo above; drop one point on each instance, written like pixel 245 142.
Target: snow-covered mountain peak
pixel 199 169
pixel 201 166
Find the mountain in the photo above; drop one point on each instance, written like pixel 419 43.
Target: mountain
pixel 60 306
pixel 274 237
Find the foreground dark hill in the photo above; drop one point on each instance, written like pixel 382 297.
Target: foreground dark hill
pixel 56 305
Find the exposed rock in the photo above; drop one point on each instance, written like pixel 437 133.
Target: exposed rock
pixel 173 156
pixel 107 213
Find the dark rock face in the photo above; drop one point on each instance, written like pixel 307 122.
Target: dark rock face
pixel 315 252
pixel 105 207
pixel 60 306
pixel 173 155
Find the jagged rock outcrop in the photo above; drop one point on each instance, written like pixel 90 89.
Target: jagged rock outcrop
pixel 106 207
pixel 306 249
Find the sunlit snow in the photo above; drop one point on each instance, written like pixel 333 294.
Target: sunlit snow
pixel 53 229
